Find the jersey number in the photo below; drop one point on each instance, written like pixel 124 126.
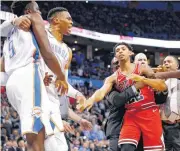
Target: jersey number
pixel 137 98
pixel 11 49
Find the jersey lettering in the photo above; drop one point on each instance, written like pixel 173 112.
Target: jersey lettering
pixel 138 98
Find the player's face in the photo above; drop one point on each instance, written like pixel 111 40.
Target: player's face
pixel 65 22
pixel 122 53
pixel 142 61
pixel 170 63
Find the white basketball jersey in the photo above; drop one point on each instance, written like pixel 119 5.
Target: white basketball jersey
pixel 61 51
pixel 19 50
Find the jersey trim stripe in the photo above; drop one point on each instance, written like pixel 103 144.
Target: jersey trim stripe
pixel 37 126
pixel 36 56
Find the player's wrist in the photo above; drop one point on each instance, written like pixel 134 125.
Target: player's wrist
pixel 13 21
pixel 80 120
pixel 78 94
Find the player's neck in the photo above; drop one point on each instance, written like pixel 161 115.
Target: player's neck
pixel 125 65
pixel 56 33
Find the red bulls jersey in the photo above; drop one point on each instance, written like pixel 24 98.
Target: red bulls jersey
pixel 145 98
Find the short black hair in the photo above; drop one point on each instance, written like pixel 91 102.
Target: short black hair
pixel 18 7
pixel 19 139
pixel 54 11
pixel 123 43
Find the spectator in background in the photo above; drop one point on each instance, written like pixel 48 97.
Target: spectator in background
pixel 15 134
pixel 15 120
pixel 21 144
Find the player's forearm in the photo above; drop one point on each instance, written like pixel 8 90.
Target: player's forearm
pixel 155 83
pixel 73 116
pixel 119 99
pixel 44 45
pixel 160 97
pixel 98 95
pixel 5 28
pixel 166 75
pixel 72 92
pixel 2 64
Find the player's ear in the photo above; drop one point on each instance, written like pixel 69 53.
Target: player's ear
pixel 177 66
pixel 55 20
pixel 131 53
pixel 27 11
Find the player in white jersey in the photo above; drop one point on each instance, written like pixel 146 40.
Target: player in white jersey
pixel 25 89
pixel 60 24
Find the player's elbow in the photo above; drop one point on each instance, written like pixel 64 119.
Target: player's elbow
pixel 162 87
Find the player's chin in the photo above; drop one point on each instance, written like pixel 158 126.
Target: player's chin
pixel 67 33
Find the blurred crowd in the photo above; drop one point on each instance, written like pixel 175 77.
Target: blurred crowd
pixel 117 20
pixel 88 68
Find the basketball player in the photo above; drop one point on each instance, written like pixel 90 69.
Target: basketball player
pixel 60 24
pixel 140 110
pixel 23 71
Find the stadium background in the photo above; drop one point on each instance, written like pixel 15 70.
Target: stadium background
pixel 152 28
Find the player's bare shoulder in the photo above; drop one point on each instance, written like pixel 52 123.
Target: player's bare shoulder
pixel 111 79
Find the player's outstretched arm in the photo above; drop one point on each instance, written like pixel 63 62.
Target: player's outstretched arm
pixel 147 71
pixel 102 92
pixel 45 48
pixel 166 75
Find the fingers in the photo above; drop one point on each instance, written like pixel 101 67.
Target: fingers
pixel 24 23
pixel 68 128
pixel 86 125
pixel 89 107
pixel 80 108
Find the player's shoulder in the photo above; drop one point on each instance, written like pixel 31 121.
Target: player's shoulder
pixel 111 78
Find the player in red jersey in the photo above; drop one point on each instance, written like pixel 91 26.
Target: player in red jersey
pixel 142 114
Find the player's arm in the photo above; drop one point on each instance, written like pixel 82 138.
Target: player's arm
pixel 100 93
pixel 21 22
pixel 45 48
pixel 104 90
pixel 157 84
pixel 83 123
pixel 160 97
pixel 166 75
pixel 2 64
pixel 147 71
pixel 4 76
pixel 72 92
pixel 5 28
pixel 119 99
